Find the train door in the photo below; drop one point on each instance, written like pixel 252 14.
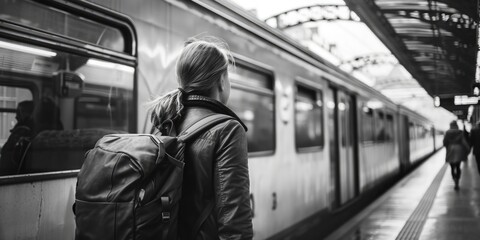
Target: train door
pixel 404 143
pixel 346 147
pixel 332 114
pixel 344 168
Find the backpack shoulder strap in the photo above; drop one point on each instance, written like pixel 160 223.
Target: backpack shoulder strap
pixel 201 125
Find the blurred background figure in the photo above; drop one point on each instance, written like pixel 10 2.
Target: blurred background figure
pixel 475 143
pixel 457 150
pixel 17 143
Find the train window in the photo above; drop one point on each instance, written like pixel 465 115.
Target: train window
pixel 389 128
pixel 367 125
pixel 56 21
pixel 380 126
pixel 411 130
pixel 252 99
pixel 308 118
pixel 423 131
pixel 76 100
pixel 249 77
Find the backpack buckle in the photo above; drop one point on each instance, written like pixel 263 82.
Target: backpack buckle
pixel 165 216
pixel 166 206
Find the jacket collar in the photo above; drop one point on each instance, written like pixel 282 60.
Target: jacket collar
pixel 212 104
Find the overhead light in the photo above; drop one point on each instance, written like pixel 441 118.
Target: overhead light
pixel 465 100
pixel 25 49
pixel 110 65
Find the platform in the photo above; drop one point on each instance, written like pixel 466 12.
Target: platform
pixel 424 205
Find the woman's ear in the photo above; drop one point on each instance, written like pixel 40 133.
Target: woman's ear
pixel 222 83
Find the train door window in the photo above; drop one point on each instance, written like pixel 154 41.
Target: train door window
pixel 380 126
pixel 344 119
pixel 308 119
pixel 389 128
pixel 367 125
pixel 423 131
pixel 418 132
pixel 59 22
pixel 252 98
pixel 411 130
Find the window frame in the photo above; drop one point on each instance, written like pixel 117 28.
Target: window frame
pixel 89 11
pixel 371 113
pixel 411 130
pixel 261 68
pixel 379 117
pixel 319 95
pixel 37 37
pixel 390 125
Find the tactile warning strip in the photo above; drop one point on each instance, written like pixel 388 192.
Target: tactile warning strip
pixel 414 225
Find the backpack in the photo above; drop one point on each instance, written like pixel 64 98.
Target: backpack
pixel 130 185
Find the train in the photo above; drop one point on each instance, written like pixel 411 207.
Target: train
pixel 319 140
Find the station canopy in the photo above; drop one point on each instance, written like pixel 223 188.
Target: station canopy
pixel 436 41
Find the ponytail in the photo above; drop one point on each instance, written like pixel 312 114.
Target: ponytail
pixel 167 107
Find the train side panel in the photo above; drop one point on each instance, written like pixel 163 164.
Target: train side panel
pixel 38 210
pixel 289 182
pixel 378 143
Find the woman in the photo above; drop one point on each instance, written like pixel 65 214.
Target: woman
pixel 13 150
pixel 457 150
pixel 202 73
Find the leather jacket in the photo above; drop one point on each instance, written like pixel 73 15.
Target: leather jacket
pixel 216 172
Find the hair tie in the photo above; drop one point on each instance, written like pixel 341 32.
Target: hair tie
pixel 182 91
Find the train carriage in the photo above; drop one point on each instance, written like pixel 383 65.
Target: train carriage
pixel 319 140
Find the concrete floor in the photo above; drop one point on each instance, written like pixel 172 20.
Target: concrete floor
pixel 424 205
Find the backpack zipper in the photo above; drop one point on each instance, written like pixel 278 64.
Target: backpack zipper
pixel 136 165
pixel 155 140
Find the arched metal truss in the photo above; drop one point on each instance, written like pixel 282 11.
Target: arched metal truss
pixel 369 60
pixel 448 20
pixel 298 16
pixel 435 40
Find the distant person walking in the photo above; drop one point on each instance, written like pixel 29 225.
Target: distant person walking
pixel 475 143
pixel 457 150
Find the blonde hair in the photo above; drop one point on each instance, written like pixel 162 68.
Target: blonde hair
pixel 199 69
